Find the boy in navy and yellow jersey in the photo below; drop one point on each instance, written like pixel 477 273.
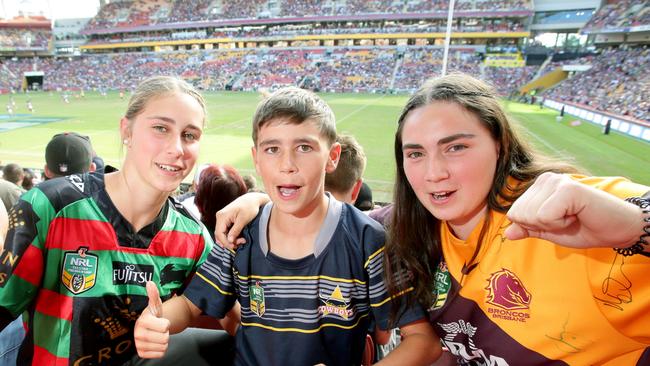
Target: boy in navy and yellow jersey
pixel 311 271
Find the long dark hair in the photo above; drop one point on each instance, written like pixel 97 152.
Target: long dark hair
pixel 218 186
pixel 413 245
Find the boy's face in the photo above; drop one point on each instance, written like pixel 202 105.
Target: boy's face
pixel 292 160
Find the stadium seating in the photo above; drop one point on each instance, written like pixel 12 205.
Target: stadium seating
pixel 618 82
pixel 620 14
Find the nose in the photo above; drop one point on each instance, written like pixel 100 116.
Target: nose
pixel 287 163
pixel 437 168
pixel 175 146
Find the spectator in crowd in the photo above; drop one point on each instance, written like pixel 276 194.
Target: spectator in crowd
pixel 29 179
pixel 11 184
pixel 251 182
pixel 364 199
pixel 68 153
pixel 187 199
pixel 218 186
pixel 345 182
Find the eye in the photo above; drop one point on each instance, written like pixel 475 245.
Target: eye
pixel 456 148
pixel 414 154
pixel 271 150
pixel 304 148
pixel 160 128
pixel 189 136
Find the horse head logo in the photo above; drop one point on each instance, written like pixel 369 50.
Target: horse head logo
pixel 507 292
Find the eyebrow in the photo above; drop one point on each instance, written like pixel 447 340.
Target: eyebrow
pixel 442 141
pixel 448 139
pixel 172 121
pixel 303 140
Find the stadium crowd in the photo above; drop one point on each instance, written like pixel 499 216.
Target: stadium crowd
pixel 617 82
pixel 620 14
pixel 142 13
pixel 21 38
pixel 337 70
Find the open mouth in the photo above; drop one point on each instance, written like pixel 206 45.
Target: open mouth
pixel 288 191
pixel 441 196
pixel 168 168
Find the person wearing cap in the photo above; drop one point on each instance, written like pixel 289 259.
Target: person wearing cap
pixel 68 153
pixel 364 199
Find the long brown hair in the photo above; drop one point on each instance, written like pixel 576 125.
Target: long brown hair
pixel 413 245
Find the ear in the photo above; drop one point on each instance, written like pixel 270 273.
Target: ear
pixel 356 189
pixel 254 153
pixel 333 159
pixel 125 129
pixel 48 172
pixel 92 168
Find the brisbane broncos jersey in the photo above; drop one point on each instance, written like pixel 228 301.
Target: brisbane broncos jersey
pixel 306 311
pixel 77 269
pixel 532 302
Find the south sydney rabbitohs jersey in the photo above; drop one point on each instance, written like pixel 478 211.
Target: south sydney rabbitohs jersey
pixel 77 269
pixel 531 302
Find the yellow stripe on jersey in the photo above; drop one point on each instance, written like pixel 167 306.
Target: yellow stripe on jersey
pixel 214 285
pixel 380 250
pixel 308 331
pixel 245 278
pixel 392 297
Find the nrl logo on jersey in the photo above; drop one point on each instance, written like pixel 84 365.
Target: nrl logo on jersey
pixel 79 270
pixel 258 305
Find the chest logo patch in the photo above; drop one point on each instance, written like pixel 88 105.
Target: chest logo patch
pixel 442 284
pixel 335 303
pixel 506 291
pixel 258 305
pixel 79 270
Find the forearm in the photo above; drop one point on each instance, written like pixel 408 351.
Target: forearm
pixel 180 312
pixel 416 349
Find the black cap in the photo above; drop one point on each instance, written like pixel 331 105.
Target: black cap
pixel 68 153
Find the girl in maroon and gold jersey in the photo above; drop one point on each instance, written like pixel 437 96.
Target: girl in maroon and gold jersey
pixel 515 257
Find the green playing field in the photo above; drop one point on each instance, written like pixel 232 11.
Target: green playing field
pixel 370 118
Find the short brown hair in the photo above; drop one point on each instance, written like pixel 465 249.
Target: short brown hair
pixel 296 106
pixel 350 168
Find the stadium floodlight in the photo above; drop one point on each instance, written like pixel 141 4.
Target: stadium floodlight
pixel 445 57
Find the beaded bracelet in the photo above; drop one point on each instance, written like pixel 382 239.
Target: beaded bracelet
pixel 640 245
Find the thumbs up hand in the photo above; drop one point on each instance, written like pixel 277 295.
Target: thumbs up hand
pixel 151 329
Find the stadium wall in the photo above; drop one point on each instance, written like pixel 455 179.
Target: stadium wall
pixel 635 128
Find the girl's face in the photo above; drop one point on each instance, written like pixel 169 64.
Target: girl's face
pixel 449 160
pixel 163 140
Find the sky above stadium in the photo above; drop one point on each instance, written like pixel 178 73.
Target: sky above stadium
pixel 52 9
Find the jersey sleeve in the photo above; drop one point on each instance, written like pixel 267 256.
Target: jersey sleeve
pixel 380 300
pixel 620 284
pixel 212 289
pixel 22 259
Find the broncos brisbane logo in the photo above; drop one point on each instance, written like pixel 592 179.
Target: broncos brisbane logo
pixel 507 292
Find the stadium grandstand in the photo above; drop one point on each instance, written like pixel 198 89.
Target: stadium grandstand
pixel 380 46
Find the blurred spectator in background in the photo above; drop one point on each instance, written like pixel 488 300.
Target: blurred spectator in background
pixel 68 153
pixel 29 179
pixel 251 182
pixel 187 198
pixel 218 186
pixel 345 182
pixel 364 199
pixel 10 184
